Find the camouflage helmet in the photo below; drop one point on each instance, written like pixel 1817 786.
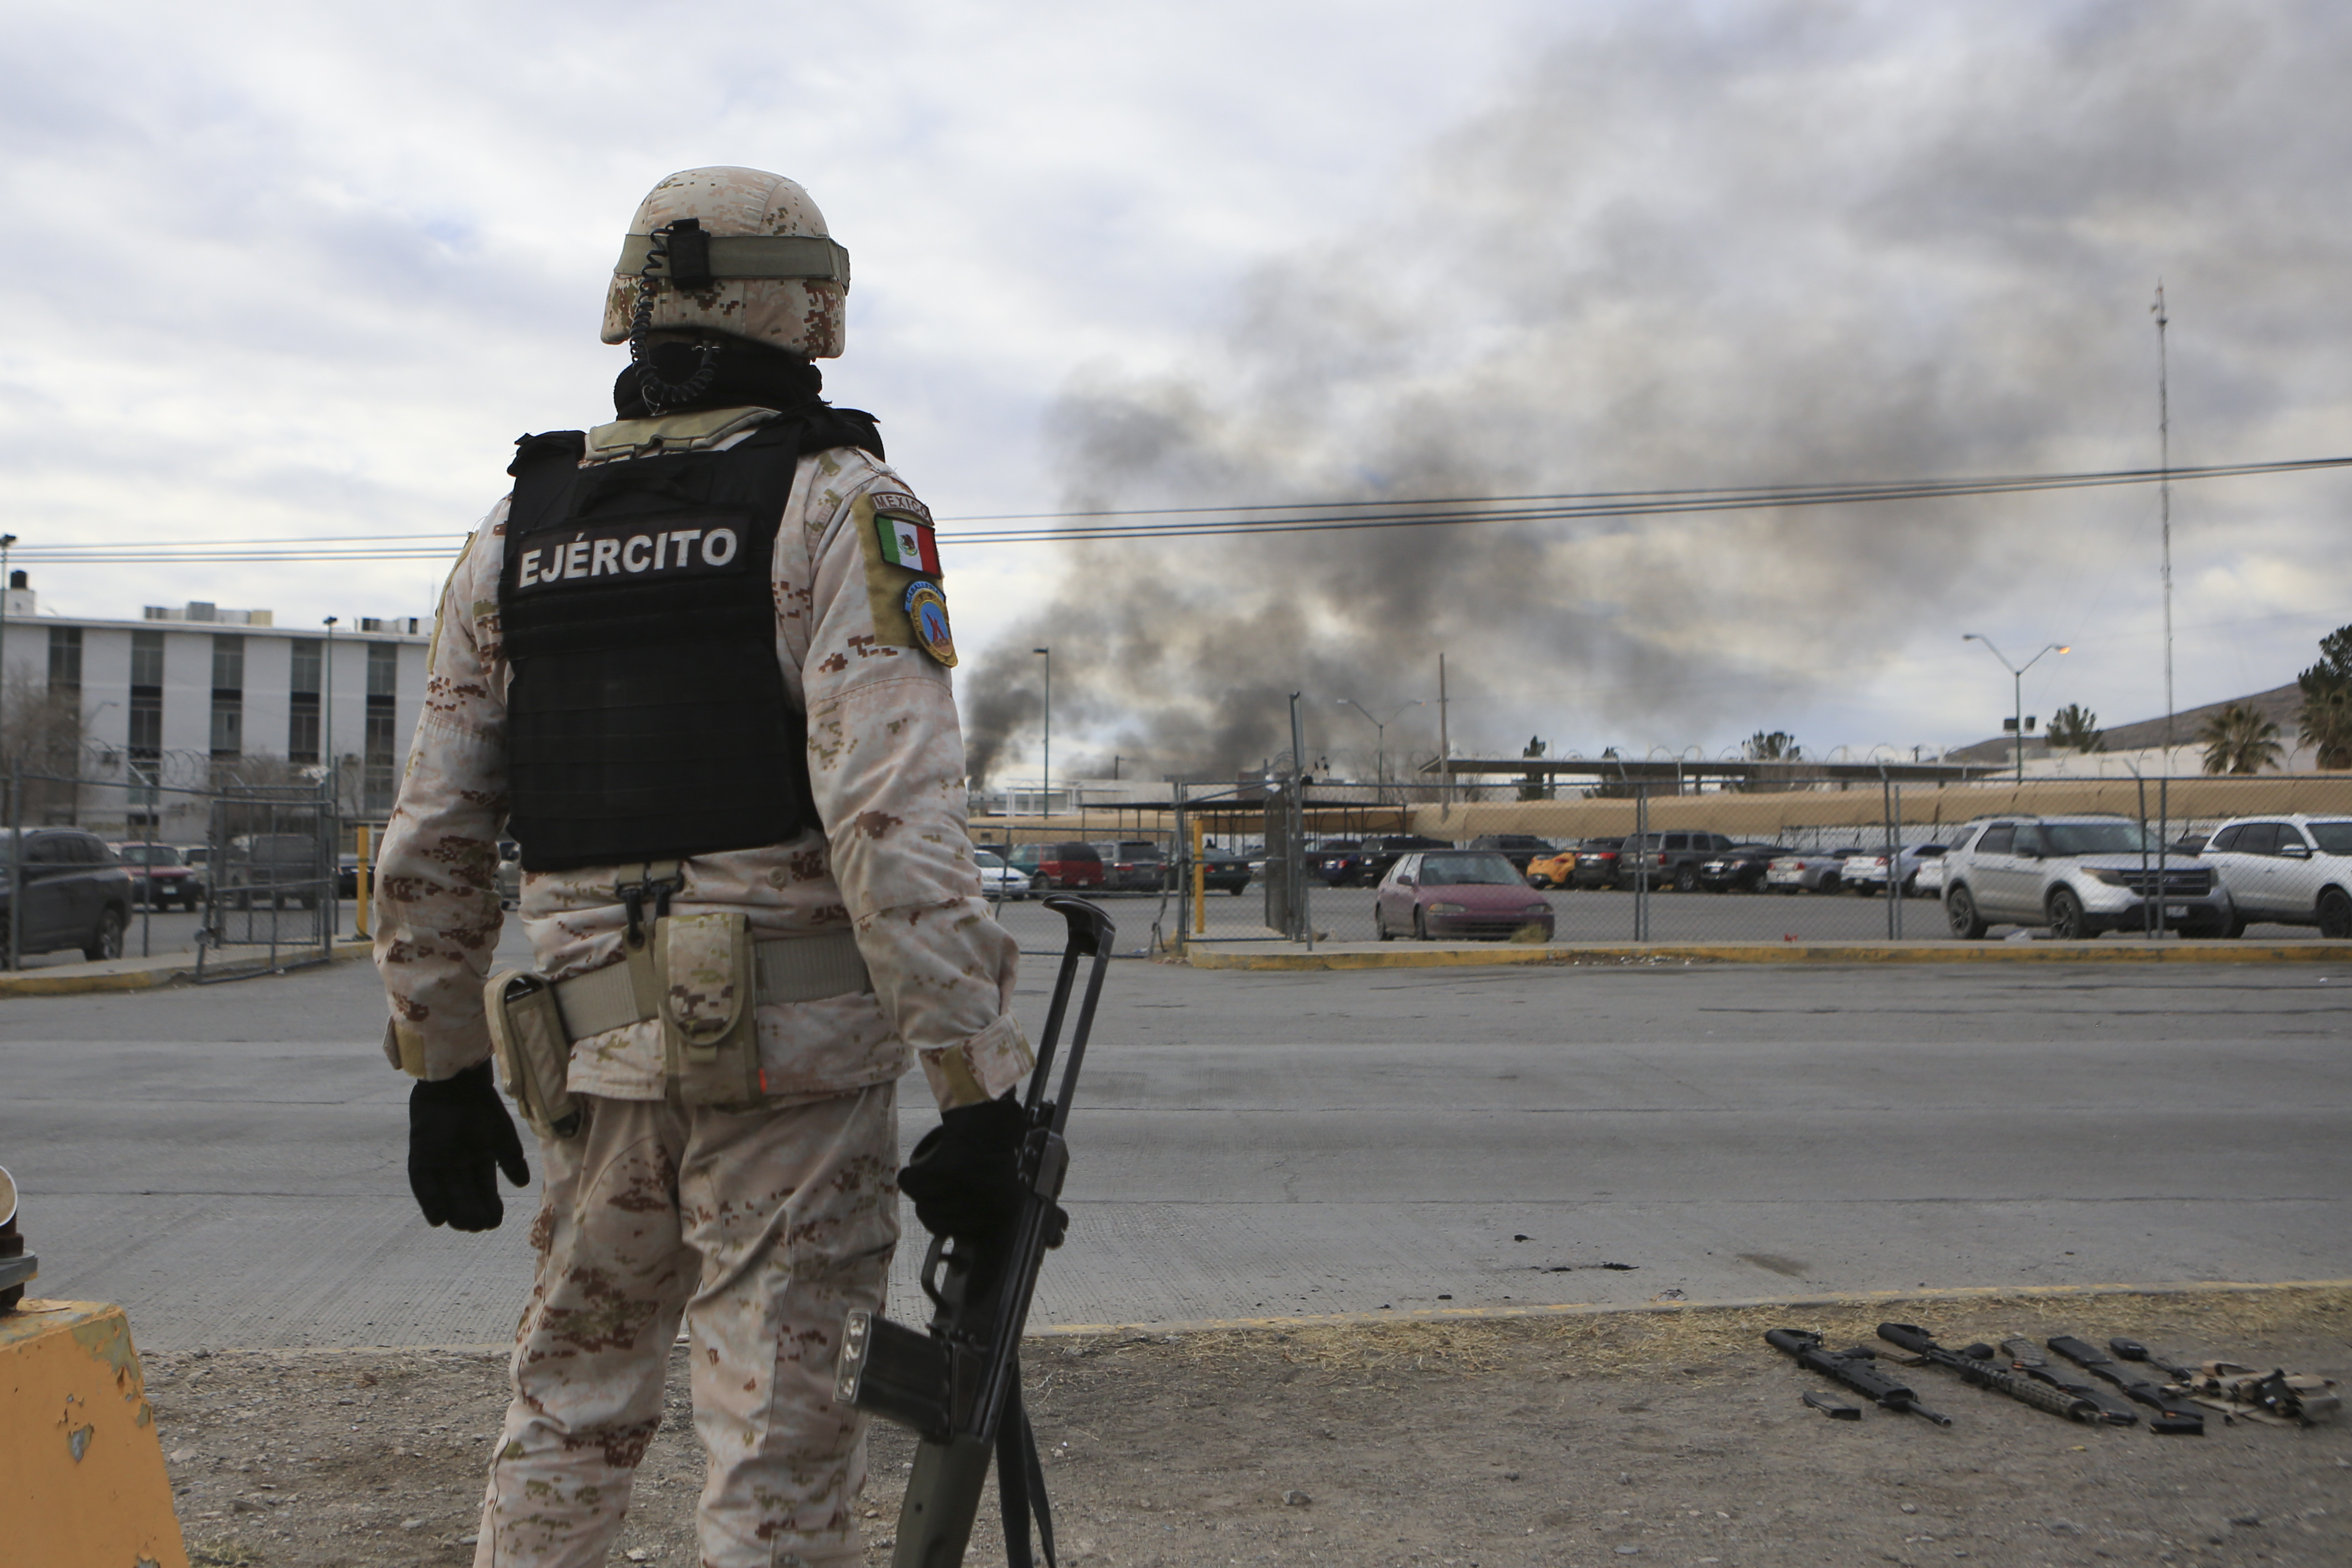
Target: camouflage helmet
pixel 769 274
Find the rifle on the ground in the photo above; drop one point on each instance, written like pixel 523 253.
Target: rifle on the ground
pixel 2174 1417
pixel 1854 1368
pixel 2040 1395
pixel 959 1386
pixel 2025 1356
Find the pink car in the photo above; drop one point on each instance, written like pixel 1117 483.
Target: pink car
pixel 1457 893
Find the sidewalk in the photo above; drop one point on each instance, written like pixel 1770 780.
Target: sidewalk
pixel 1272 954
pixel 162 969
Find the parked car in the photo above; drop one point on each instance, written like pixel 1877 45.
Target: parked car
pixel 2290 869
pixel 77 894
pixel 1371 862
pixel 1596 862
pixel 1518 848
pixel 1554 870
pixel 1740 869
pixel 1457 892
pixel 1809 870
pixel 2078 876
pixel 1865 873
pixel 1051 866
pixel 509 875
pixel 1320 855
pixel 1672 859
pixel 1135 865
pixel 160 872
pixel 275 867
pixel 1224 871
pixel 997 879
pixel 1927 881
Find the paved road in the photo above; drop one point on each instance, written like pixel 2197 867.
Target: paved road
pixel 229 1161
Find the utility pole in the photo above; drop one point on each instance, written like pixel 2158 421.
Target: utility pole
pixel 1445 739
pixel 2164 500
pixel 327 717
pixel 1045 792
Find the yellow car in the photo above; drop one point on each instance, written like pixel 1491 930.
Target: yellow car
pixel 1552 870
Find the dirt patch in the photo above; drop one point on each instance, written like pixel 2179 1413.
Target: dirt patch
pixel 1675 1437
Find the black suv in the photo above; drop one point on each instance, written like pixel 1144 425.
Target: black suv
pixel 77 894
pixel 1366 865
pixel 1673 858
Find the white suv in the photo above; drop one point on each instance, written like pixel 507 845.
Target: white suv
pixel 2292 869
pixel 2078 876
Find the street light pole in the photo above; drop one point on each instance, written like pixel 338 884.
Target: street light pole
pixel 6 541
pixel 326 719
pixel 2017 688
pixel 1380 740
pixel 1045 792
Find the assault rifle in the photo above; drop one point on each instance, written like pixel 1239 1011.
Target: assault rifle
pixel 959 1386
pixel 1854 1368
pixel 2040 1395
pixel 2027 1358
pixel 2173 1418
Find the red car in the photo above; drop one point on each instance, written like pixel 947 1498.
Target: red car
pixel 161 872
pixel 1457 893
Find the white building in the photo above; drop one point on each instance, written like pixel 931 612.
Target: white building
pixel 194 697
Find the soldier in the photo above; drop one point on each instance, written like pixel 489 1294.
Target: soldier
pixel 697 660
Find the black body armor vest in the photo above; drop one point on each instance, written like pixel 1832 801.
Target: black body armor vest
pixel 647 717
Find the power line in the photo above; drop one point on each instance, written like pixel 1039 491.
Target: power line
pixel 1283 517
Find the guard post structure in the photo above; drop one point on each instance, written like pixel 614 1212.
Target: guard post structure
pixel 81 1468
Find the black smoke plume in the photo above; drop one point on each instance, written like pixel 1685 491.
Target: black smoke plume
pixel 1699 247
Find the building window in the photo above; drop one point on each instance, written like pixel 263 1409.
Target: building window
pixel 302 721
pixel 382 700
pixel 228 695
pixel 146 695
pixel 64 662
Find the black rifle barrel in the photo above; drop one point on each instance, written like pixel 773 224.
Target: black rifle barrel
pixel 1854 1371
pixel 2040 1395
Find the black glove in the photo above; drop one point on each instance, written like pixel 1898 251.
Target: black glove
pixel 964 1176
pixel 458 1133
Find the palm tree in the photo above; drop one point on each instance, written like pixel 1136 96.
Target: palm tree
pixel 2077 728
pixel 2239 740
pixel 2326 724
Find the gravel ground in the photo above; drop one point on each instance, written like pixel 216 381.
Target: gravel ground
pixel 1674 1437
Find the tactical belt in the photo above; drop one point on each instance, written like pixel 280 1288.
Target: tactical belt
pixel 790 969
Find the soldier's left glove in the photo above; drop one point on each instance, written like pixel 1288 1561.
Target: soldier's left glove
pixel 965 1174
pixel 459 1138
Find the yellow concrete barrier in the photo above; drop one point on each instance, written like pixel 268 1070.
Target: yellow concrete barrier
pixel 81 1469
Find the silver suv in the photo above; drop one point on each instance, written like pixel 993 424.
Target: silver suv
pixel 2078 876
pixel 2292 869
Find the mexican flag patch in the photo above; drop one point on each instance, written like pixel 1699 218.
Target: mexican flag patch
pixel 903 524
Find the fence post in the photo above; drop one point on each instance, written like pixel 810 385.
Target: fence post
pixel 1641 862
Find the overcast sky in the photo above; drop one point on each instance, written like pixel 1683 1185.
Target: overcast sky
pixel 305 270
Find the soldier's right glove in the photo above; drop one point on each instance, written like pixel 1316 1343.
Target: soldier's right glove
pixel 965 1174
pixel 459 1138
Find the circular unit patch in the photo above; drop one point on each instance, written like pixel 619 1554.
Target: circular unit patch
pixel 928 608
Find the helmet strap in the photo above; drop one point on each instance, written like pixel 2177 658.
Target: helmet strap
pixel 682 251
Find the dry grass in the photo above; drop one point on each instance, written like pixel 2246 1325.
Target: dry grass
pixel 1702 1340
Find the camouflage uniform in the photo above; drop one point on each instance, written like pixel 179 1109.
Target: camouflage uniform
pixel 762 1225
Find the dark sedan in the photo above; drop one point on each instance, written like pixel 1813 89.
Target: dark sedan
pixel 1367 864
pixel 1224 871
pixel 1740 868
pixel 1596 862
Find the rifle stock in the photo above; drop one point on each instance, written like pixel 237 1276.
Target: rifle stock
pixel 958 1387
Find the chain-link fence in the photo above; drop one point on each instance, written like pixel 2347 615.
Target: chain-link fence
pixel 2119 858
pixel 100 867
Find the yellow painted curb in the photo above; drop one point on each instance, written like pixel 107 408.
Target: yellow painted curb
pixel 68 979
pixel 1632 953
pixel 1604 1309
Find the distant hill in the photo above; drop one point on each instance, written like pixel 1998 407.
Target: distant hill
pixel 2282 704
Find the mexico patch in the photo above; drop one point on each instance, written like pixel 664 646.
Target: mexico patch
pixel 906 540
pixel 927 607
